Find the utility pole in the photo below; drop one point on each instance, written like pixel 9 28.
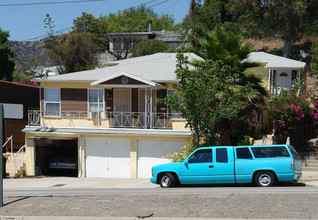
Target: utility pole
pixel 1 160
pixel 9 111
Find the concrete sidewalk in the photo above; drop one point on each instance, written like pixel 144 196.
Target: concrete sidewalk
pixel 46 207
pixel 309 177
pixel 113 218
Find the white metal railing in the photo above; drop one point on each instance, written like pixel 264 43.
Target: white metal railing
pixel 276 90
pixel 34 117
pixel 19 159
pixel 9 139
pixel 142 120
pixel 116 119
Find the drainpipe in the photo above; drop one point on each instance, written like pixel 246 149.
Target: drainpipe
pixel 80 155
pixel 300 91
pixel 269 80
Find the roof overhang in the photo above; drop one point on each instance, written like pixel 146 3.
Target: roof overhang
pixel 145 83
pixel 37 131
pixel 52 138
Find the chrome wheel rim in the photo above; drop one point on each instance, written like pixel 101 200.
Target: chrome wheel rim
pixel 165 181
pixel 264 179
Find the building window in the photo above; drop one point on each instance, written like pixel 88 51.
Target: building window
pixel 52 99
pixel 283 75
pixel 96 100
pixel 260 117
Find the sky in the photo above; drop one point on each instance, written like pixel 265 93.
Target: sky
pixel 24 19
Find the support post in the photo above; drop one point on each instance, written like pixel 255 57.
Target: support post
pixel 1 160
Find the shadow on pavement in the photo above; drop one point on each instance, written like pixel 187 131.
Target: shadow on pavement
pixel 21 198
pixel 280 184
pixel 17 200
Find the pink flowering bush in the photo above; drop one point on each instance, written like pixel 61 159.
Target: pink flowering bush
pixel 289 109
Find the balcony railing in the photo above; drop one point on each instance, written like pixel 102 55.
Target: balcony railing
pixel 113 119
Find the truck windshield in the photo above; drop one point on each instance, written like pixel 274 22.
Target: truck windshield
pixel 263 152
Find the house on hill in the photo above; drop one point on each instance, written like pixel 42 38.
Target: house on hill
pixel 107 120
pixel 279 74
pixel 122 44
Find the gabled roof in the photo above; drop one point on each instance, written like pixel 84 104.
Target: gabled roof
pixel 159 68
pixel 274 61
pixel 148 83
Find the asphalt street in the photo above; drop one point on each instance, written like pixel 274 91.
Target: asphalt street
pixel 100 198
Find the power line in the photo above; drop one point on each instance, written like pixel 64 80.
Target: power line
pixel 51 3
pixel 170 6
pixel 158 3
pixel 69 28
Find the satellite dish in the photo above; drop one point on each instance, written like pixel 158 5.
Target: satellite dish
pixel 303 54
pixel 39 70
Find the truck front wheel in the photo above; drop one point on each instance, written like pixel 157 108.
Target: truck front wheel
pixel 167 180
pixel 264 179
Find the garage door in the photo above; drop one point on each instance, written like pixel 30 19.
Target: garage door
pixel 150 153
pixel 107 157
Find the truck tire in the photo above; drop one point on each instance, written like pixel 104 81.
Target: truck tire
pixel 264 179
pixel 167 180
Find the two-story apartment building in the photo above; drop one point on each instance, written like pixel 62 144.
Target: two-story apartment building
pixel 107 119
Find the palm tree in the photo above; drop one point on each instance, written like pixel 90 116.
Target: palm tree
pixel 229 49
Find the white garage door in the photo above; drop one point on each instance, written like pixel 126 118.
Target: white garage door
pixel 107 157
pixel 150 153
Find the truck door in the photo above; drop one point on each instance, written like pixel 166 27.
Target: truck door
pixel 223 165
pixel 198 168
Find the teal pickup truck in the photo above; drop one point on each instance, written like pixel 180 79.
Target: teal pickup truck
pixel 263 165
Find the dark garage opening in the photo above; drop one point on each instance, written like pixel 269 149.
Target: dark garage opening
pixel 56 156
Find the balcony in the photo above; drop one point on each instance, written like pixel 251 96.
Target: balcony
pixel 138 120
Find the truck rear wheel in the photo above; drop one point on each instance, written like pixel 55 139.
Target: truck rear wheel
pixel 264 179
pixel 167 180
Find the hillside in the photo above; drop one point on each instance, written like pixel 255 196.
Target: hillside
pixel 27 51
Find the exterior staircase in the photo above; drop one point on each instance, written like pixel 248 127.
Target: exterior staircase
pixel 15 164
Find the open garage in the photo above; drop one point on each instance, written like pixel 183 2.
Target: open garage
pixel 56 156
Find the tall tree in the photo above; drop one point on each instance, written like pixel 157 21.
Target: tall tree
pixel 314 61
pixel 6 55
pixel 136 19
pixel 207 16
pixel 93 28
pixel 52 43
pixel 76 50
pixel 229 49
pixel 285 19
pixel 208 95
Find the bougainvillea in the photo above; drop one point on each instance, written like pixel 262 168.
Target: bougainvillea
pixel 287 110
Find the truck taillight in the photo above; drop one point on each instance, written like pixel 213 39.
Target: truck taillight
pixel 152 172
pixel 292 164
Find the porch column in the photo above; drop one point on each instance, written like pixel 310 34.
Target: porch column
pixel 269 80
pixel 148 108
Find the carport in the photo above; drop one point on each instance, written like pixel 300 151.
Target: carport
pixel 57 148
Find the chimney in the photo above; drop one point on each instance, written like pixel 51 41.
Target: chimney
pixel 150 26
